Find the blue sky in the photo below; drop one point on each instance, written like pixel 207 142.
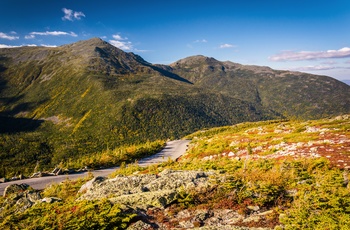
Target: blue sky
pixel 303 35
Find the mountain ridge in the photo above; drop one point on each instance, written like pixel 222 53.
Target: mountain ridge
pixel 85 97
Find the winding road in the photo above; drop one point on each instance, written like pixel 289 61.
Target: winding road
pixel 172 150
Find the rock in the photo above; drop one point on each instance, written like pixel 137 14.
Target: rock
pixel 186 224
pixel 253 218
pixel 35 175
pixel 89 185
pixel 22 200
pixel 14 178
pixel 28 199
pixel 32 196
pixel 292 192
pixel 22 204
pixel 3 180
pixel 21 177
pixel 140 225
pixel 42 174
pixel 253 208
pixel 15 188
pixel 50 200
pixel 229 227
pixel 269 212
pixel 221 217
pixel 56 170
pixel 101 187
pixel 176 179
pixel 146 200
pixel 142 191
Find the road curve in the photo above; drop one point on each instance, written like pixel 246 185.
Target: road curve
pixel 172 150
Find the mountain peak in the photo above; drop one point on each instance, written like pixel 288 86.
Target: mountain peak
pixel 87 44
pixel 196 59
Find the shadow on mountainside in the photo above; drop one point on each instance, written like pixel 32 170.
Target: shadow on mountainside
pixel 8 123
pixel 169 74
pixel 14 125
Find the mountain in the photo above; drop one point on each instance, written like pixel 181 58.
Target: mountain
pixel 288 93
pixel 346 82
pixel 59 104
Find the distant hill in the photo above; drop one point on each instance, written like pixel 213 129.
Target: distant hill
pixel 58 104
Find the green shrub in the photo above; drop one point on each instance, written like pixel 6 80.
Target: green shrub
pixel 72 215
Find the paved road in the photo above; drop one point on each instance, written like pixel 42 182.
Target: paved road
pixel 173 150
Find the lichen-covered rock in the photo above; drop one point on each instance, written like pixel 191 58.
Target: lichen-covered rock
pixel 22 200
pixel 100 187
pixel 15 188
pixel 147 199
pixel 143 191
pixel 178 179
pixel 140 225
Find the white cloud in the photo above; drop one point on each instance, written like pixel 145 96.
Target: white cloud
pixel 121 43
pixel 50 33
pixel 310 55
pixel 118 37
pixel 31 36
pixel 30 45
pixel 224 46
pixel 78 15
pixel 200 41
pixel 124 45
pixel 8 37
pixel 44 45
pixel 318 68
pixel 71 15
pixel 7 46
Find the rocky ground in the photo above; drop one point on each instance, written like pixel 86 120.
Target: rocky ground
pixel 151 197
pixel 179 197
pixel 315 141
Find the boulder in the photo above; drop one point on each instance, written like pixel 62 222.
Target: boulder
pixel 50 200
pixel 20 197
pixel 145 190
pixel 15 188
pixel 3 180
pixel 140 225
pixel 145 200
pixel 100 187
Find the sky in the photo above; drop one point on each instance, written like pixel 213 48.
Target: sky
pixel 301 35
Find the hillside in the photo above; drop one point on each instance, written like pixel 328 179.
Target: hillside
pixel 275 174
pixel 61 104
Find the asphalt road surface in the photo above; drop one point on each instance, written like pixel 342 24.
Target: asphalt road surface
pixel 172 150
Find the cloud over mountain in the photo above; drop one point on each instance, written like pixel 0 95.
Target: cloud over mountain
pixel 311 55
pixel 50 33
pixel 121 43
